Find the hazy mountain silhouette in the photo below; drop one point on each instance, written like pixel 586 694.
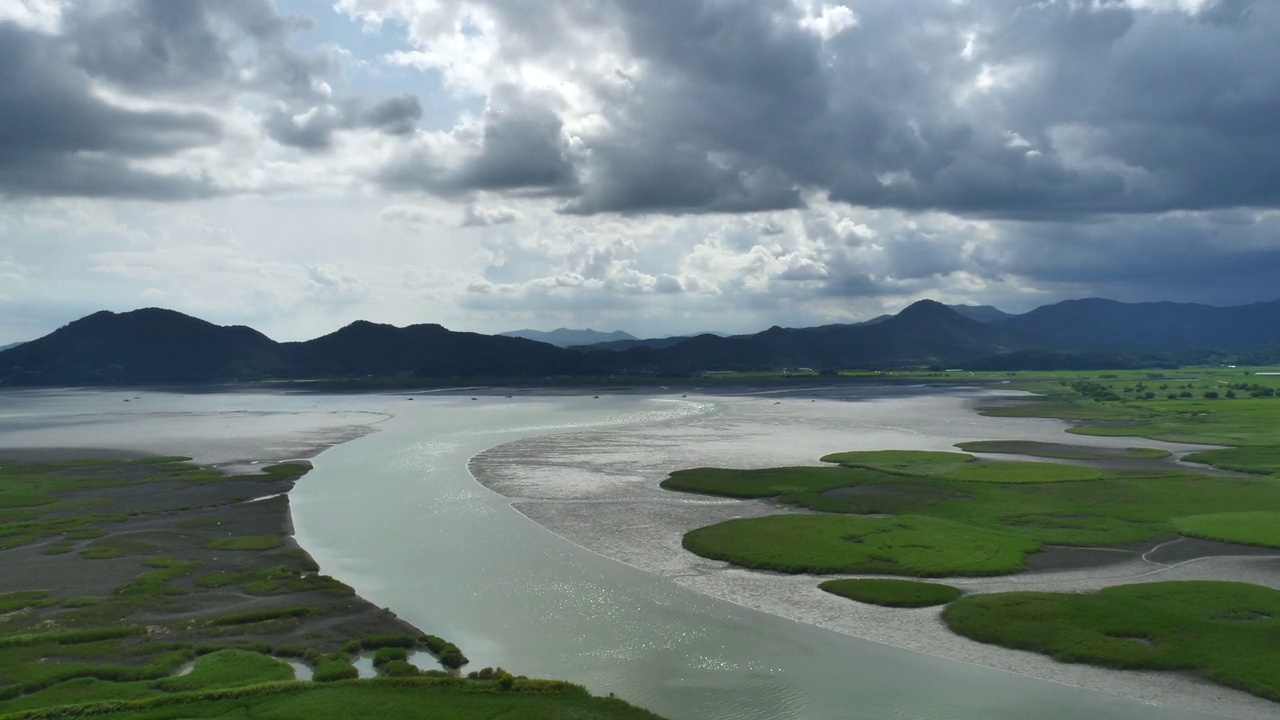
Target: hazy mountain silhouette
pixel 565 337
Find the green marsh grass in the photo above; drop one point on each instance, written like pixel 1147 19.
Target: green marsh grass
pixel 1226 631
pixel 888 592
pixel 1256 527
pixel 823 544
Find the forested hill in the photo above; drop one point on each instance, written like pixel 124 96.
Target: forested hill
pixel 156 346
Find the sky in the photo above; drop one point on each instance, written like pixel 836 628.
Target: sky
pixel 656 166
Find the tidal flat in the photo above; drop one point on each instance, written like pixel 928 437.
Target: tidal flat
pixel 599 489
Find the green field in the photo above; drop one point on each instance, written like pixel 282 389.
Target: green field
pixel 904 545
pixel 1228 632
pixel 888 592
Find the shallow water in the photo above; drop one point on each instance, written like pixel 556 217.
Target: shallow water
pixel 397 515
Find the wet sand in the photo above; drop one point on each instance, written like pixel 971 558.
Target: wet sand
pixel 599 489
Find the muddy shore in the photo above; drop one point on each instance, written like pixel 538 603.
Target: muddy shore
pixel 599 489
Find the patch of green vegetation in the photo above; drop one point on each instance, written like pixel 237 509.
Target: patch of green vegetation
pixel 246 543
pixel 905 545
pixel 911 462
pixel 1061 451
pixel 892 593
pixel 408 698
pixel 58 548
pixel 155 584
pixel 287 470
pixel 77 691
pixel 334 667
pixel 769 482
pixel 161 460
pixel 446 652
pixel 274 579
pixel 1020 472
pixel 12 602
pixel 99 552
pixel 228 668
pixel 257 616
pixel 387 654
pixel 1257 460
pixel 1225 631
pixel 1257 527
pixel 400 668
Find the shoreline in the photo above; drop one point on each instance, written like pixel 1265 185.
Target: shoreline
pixel 633 522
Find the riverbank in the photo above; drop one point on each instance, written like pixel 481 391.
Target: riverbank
pixel 599 489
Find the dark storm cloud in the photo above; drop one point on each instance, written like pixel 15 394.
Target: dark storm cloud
pixel 521 149
pixel 1008 108
pixel 1222 257
pixel 640 178
pixel 313 129
pixel 192 46
pixel 395 116
pixel 58 138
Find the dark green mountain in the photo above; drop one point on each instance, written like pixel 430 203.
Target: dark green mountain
pixel 149 346
pixel 364 348
pixel 1107 326
pixel 926 332
pixel 154 346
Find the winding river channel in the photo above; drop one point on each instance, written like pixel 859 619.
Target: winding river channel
pixel 397 514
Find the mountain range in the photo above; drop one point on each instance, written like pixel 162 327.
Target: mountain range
pixel 157 346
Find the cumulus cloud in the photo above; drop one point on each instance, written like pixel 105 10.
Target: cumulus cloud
pixel 476 216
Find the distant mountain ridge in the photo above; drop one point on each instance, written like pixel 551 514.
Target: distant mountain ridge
pixel 565 337
pixel 157 346
pixel 1096 325
pixel 10 345
pixel 982 313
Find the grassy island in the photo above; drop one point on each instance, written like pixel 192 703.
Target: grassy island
pixel 905 545
pixel 1226 631
pixel 888 592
